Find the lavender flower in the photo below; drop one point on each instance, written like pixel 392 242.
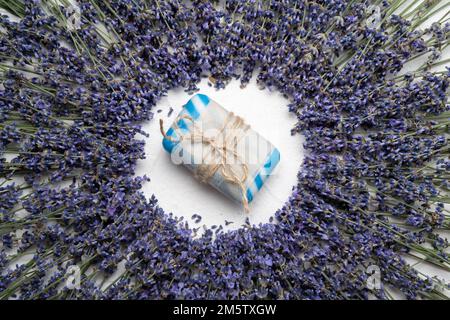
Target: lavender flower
pixel 371 190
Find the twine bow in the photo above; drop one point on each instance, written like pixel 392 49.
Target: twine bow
pixel 224 143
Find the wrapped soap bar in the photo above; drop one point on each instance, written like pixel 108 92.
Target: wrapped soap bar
pixel 220 149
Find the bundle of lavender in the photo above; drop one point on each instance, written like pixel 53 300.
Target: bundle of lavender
pixel 367 80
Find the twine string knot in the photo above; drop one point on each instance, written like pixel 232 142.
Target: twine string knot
pixel 220 146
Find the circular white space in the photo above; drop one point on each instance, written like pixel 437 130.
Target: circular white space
pixel 179 192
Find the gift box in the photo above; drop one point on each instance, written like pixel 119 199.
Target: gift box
pixel 220 149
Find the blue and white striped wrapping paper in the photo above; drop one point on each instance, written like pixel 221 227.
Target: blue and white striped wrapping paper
pixel 210 115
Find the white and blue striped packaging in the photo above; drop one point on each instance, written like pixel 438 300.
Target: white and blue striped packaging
pixel 260 156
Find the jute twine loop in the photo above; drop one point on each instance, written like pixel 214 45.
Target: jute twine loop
pixel 221 146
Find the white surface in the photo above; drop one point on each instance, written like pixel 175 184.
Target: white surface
pixel 180 193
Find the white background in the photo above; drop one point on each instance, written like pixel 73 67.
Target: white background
pixel 180 193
